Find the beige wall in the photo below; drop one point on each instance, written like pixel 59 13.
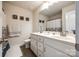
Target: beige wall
pixel 35 20
pixel 0 19
pixel 64 11
pixel 23 26
pixel 18 25
pixel 36 17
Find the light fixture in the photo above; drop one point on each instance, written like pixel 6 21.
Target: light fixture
pixel 44 6
pixel 47 4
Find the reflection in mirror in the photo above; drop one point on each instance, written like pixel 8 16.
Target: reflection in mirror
pixel 61 20
pixel 54 25
pixel 70 21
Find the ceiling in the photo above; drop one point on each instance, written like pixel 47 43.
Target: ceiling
pixel 32 5
pixel 56 8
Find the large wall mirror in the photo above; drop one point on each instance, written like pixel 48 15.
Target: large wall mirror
pixel 70 21
pixel 54 25
pixel 63 20
pixel 55 22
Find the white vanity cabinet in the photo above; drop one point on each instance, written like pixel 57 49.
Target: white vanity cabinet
pixel 52 52
pixel 34 43
pixel 58 48
pixel 37 45
pixel 40 46
pixel 51 47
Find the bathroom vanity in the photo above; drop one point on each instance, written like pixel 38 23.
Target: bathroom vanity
pixel 52 45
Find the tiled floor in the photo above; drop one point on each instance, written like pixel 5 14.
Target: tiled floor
pixel 27 52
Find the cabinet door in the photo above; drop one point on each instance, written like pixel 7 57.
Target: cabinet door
pixel 52 52
pixel 40 46
pixel 62 46
pixel 34 44
pixel 34 49
pixel 40 54
pixel 40 39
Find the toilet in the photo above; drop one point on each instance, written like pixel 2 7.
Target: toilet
pixel 27 43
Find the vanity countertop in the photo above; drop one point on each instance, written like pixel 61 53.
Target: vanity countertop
pixel 70 39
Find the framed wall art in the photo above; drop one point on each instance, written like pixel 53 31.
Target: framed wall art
pixel 14 16
pixel 21 18
pixel 27 18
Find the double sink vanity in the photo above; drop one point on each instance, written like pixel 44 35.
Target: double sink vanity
pixel 52 44
pixel 57 39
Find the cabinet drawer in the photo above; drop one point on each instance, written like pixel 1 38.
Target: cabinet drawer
pixel 34 49
pixel 40 39
pixel 51 52
pixel 68 49
pixel 40 54
pixel 34 43
pixel 40 46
